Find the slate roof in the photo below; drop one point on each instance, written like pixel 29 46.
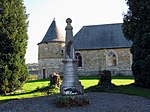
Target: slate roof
pixel 53 34
pixel 100 37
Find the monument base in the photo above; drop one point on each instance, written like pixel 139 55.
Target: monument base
pixel 71 84
pixel 72 100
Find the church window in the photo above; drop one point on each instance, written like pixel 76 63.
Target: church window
pixel 62 52
pixel 79 57
pixel 44 73
pixel 111 58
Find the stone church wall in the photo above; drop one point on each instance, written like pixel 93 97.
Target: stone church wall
pixel 124 62
pixel 93 61
pixel 90 62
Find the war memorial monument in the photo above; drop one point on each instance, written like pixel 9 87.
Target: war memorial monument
pixel 71 90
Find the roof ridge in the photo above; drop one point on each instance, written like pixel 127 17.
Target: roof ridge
pixel 102 24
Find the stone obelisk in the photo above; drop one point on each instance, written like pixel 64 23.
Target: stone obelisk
pixel 71 84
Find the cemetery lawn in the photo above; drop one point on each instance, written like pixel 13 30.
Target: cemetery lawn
pixel 36 88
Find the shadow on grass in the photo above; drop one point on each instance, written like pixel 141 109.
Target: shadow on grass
pixel 43 89
pixel 130 89
pixel 46 90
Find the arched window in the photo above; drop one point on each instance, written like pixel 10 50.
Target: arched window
pixel 111 58
pixel 79 57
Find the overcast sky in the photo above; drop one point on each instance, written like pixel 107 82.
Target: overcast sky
pixel 82 12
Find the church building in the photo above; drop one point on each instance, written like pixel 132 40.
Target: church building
pixel 97 47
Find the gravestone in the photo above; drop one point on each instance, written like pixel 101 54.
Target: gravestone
pixel 71 90
pixel 105 81
pixel 54 79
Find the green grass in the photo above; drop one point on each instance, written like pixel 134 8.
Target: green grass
pixel 91 81
pixel 124 85
pixel 37 88
pixel 119 82
pixel 30 89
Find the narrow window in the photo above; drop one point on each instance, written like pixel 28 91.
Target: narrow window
pixel 62 52
pixel 79 57
pixel 44 73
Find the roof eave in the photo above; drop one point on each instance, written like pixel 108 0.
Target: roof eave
pixel 101 48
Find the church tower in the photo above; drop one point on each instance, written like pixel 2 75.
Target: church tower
pixel 51 52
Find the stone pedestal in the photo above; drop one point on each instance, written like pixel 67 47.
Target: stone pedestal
pixel 71 84
pixel 72 100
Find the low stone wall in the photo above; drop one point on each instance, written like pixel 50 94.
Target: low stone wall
pixel 88 73
pixel 121 73
pixel 113 72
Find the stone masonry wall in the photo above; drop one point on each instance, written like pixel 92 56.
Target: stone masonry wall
pixel 50 57
pixel 124 62
pixel 51 50
pixel 94 61
pixel 50 65
pixel 90 62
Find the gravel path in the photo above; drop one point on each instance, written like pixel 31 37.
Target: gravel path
pixel 99 102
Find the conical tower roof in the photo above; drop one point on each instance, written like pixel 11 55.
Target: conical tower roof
pixel 53 34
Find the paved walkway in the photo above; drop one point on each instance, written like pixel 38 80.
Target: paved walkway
pixel 99 102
